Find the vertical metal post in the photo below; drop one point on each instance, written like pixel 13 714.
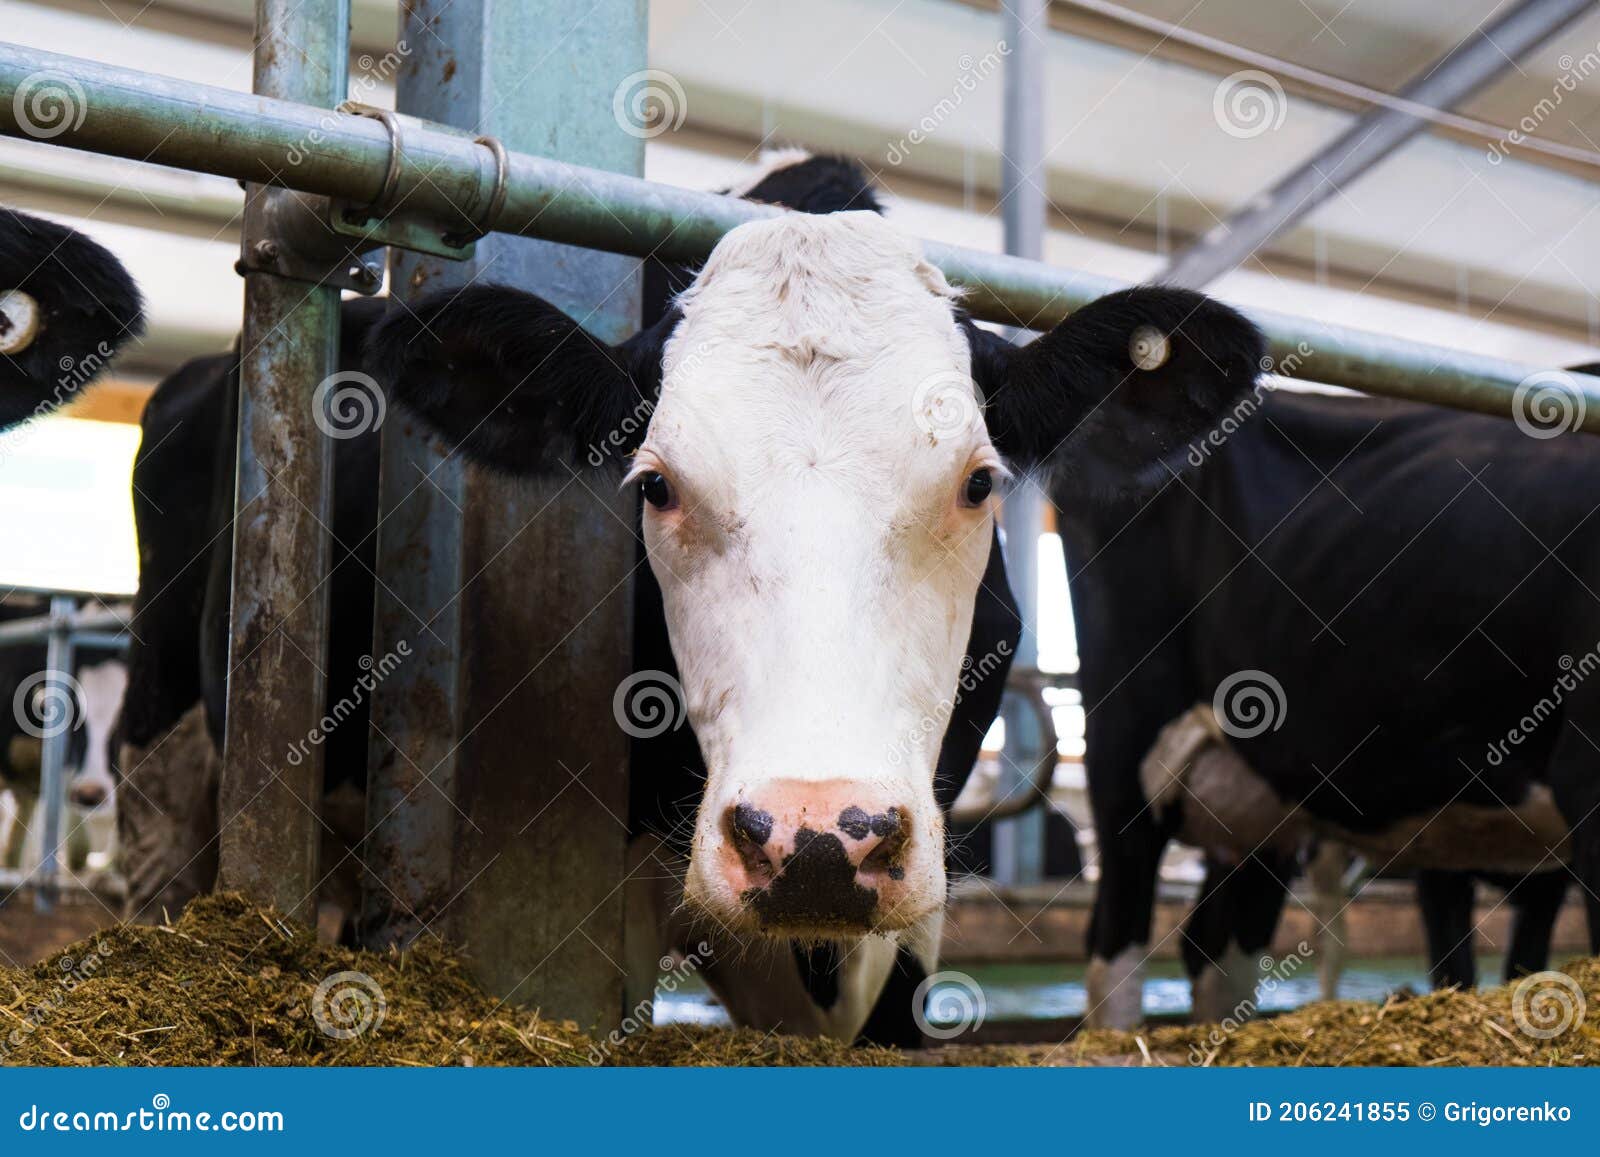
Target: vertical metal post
pixel 498 799
pixel 1018 856
pixel 268 803
pixel 58 694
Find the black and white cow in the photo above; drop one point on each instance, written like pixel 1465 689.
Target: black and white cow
pixel 1397 606
pixel 817 479
pixel 66 307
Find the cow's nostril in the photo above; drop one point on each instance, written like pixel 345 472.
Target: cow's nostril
pixel 748 830
pixel 893 835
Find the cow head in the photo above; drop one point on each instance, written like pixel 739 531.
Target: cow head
pixel 819 475
pixel 66 305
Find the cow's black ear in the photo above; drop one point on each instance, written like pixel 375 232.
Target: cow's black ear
pixel 515 383
pixel 1109 401
pixel 87 306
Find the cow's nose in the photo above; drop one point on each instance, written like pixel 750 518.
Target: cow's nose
pixel 89 793
pixel 816 854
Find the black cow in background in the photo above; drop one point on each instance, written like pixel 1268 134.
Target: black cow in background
pixel 1392 588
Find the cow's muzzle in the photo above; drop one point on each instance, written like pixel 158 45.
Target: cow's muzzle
pixel 817 857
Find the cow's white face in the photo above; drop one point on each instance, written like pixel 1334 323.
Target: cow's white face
pixel 813 523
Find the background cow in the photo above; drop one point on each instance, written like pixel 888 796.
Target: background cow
pixel 1274 580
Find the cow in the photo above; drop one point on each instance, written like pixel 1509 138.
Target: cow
pixel 1370 595
pixel 67 306
pixel 827 434
pixel 174 712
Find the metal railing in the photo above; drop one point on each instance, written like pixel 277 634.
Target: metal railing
pixel 436 171
pixel 64 630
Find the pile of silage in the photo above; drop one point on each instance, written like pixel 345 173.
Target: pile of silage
pixel 232 984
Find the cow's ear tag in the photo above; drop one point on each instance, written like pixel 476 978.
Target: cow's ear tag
pixel 1149 348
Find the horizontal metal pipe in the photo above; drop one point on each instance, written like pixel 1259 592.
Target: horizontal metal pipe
pixel 107 622
pixel 126 113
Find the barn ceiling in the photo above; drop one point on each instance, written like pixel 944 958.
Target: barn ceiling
pixel 1139 162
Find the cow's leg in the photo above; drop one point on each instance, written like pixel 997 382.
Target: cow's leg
pixel 1330 899
pixel 1229 932
pixel 22 807
pixel 1119 926
pixel 167 818
pixel 1535 903
pixel 1576 786
pixel 1446 902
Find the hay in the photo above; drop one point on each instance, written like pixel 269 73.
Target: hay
pixel 1494 1026
pixel 231 984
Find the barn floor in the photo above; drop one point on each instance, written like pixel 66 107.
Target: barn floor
pixel 228 983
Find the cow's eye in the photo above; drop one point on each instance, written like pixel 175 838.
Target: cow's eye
pixel 980 484
pixel 657 490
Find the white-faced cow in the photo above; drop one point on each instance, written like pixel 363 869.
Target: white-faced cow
pixel 819 526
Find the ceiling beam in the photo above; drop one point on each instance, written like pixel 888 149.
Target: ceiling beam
pixel 1478 59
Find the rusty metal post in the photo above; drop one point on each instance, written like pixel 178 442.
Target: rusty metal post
pixel 269 800
pixel 498 792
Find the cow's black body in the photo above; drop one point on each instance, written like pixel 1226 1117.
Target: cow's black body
pixel 1411 576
